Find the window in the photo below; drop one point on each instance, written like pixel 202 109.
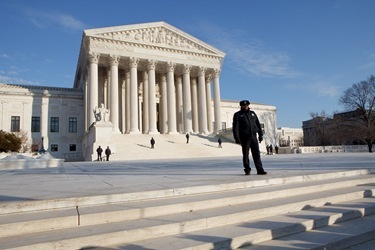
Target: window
pixel 224 126
pixel 35 124
pixel 54 147
pixel 73 125
pixel 72 147
pixel 54 124
pixel 262 126
pixel 15 124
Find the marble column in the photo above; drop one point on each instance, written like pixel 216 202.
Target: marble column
pixel 194 105
pixel 93 86
pixel 209 104
pixel 171 96
pixel 187 112
pixel 105 87
pixel 202 111
pixel 123 101
pixel 152 97
pixel 217 101
pixel 133 64
pixel 86 101
pixel 179 112
pixel 44 119
pixel 114 103
pixel 163 104
pixel 127 101
pixel 145 97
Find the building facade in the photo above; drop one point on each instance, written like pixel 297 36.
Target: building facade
pixel 290 137
pixel 151 78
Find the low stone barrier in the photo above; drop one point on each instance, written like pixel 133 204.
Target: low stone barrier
pixel 19 161
pixel 332 149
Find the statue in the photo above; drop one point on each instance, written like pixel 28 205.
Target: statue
pixel 101 114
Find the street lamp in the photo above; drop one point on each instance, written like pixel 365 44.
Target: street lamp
pixel 42 150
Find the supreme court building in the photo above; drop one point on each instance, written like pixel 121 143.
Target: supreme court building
pixel 149 78
pixel 153 77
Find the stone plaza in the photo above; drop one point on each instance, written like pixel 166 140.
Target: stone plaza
pixel 307 201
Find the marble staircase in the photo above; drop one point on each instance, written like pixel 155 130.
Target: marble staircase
pixel 171 146
pixel 258 213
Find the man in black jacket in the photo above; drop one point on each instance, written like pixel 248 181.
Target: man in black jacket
pixel 245 127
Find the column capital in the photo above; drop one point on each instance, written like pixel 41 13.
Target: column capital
pixel 202 71
pixel 114 60
pixel 145 75
pixel 133 62
pixel 216 72
pixel 93 57
pixel 208 78
pixel 164 77
pixel 187 69
pixel 170 66
pixel 151 64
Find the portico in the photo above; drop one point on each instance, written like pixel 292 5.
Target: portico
pixel 153 77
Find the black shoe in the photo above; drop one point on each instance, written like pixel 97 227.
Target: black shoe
pixel 247 172
pixel 262 173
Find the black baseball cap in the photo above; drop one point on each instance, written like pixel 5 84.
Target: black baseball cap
pixel 244 102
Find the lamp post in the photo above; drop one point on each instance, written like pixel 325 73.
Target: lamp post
pixel 42 150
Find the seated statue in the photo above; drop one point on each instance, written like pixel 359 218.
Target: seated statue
pixel 101 114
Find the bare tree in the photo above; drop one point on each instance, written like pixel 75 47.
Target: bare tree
pixel 322 132
pixel 360 99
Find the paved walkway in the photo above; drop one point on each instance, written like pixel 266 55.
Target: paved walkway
pixel 94 178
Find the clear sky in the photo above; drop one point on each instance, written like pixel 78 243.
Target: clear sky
pixel 297 55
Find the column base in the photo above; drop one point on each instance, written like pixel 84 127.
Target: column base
pixel 204 132
pixel 116 131
pixel 153 132
pixel 173 133
pixel 135 132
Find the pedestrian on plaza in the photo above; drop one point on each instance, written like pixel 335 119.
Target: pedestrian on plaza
pixel 152 141
pixel 277 149
pixel 246 126
pixel 187 137
pixel 107 153
pixel 271 149
pixel 268 149
pixel 99 151
pixel 219 141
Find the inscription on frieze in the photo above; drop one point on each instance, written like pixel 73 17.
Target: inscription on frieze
pixel 157 35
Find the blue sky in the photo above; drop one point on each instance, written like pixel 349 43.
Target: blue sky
pixel 297 55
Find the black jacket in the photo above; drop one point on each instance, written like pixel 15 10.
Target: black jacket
pixel 245 122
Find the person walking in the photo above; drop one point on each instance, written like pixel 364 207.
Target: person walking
pixel 219 141
pixel 246 126
pixel 152 141
pixel 107 153
pixel 187 137
pixel 99 151
pixel 277 149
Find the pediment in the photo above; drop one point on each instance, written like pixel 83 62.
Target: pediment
pixel 158 34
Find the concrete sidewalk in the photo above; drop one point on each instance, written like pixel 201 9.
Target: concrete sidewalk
pixel 77 179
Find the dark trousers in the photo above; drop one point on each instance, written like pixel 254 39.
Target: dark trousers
pixel 247 143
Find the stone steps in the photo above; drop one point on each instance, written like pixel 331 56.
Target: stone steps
pixel 345 234
pixel 136 219
pixel 277 232
pixel 167 146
